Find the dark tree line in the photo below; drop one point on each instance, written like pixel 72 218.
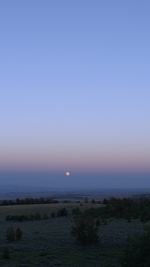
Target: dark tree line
pixel 28 201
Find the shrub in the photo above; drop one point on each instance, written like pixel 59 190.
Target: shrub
pixel 18 234
pixel 50 200
pixel 105 201
pixel 66 201
pixel 84 230
pixel 37 216
pixel 53 215
pixel 93 212
pixel 5 254
pixel 56 201
pixel 76 211
pixel 104 221
pixel 7 218
pixel 136 253
pixel 10 235
pixel 97 222
pixel 17 218
pixel 42 200
pixel 62 212
pixel 145 215
pixel 86 200
pixel 45 216
pixel 129 220
pixel 22 218
pixel 93 201
pixel 4 203
pixel 31 217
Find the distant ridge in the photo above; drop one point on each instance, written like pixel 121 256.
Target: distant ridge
pixel 18 188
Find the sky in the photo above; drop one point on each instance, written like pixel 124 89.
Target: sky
pixel 75 93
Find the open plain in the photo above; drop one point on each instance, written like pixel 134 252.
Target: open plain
pixel 48 242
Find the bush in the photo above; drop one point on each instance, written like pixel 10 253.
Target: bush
pixel 22 218
pixel 8 217
pixel 31 217
pixel 145 215
pixel 84 230
pixel 98 223
pixel 66 201
pixel 53 215
pixel 86 200
pixel 62 212
pixel 93 212
pixel 10 235
pixel 105 201
pixel 18 234
pixel 56 201
pixel 18 218
pixel 136 253
pixel 5 254
pixel 76 211
pixel 45 216
pixel 37 216
pixel 104 221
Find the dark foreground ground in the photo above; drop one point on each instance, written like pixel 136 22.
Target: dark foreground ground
pixel 49 242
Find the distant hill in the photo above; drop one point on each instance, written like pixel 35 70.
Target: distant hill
pixel 18 188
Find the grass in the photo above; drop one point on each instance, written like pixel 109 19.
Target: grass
pixel 49 242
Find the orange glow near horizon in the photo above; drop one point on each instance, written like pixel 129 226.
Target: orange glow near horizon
pixel 78 157
pixel 82 165
pixel 83 159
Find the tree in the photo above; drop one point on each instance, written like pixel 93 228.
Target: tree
pixel 5 254
pixel 53 215
pixel 84 230
pixel 62 212
pixel 37 216
pixel 76 211
pixel 136 253
pixel 18 233
pixel 86 200
pixel 10 235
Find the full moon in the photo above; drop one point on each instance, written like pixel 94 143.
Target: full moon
pixel 67 173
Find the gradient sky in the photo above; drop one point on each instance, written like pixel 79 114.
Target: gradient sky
pixel 75 87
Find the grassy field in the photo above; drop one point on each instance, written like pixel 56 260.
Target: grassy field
pixel 49 242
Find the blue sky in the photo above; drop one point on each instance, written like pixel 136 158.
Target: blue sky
pixel 75 88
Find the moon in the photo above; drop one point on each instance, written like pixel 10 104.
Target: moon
pixel 67 173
